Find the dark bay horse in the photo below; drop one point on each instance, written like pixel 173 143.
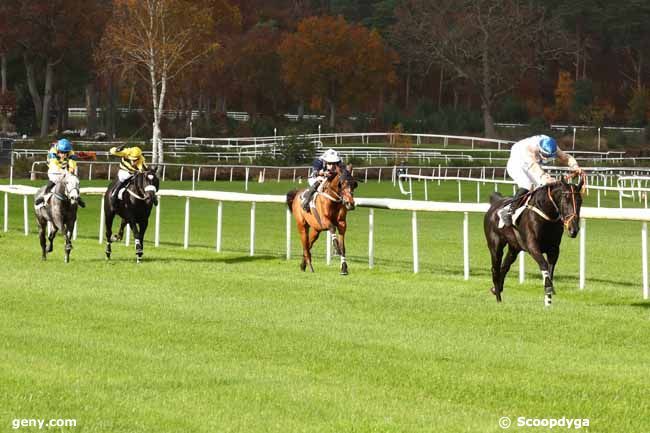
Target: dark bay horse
pixel 331 207
pixel 60 210
pixel 538 231
pixel 134 209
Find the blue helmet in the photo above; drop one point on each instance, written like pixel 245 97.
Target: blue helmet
pixel 547 147
pixel 64 145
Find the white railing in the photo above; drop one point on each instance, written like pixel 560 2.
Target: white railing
pixel 392 204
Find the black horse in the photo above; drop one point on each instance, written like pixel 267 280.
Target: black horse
pixel 61 211
pixel 134 208
pixel 538 231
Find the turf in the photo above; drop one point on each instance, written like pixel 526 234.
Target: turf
pixel 198 341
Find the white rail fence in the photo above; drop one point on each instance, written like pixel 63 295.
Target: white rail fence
pixel 413 206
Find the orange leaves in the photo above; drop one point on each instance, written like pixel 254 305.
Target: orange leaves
pixel 330 59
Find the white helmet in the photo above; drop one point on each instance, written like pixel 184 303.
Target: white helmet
pixel 331 156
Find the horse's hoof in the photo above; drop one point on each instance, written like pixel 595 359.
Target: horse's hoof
pixel 303 266
pixel 344 272
pixel 547 301
pixel 115 238
pixel 43 258
pixel 50 249
pixel 493 291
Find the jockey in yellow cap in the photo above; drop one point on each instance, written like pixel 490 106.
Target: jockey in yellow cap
pixel 131 163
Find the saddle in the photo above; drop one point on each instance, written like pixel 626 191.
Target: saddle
pixel 312 202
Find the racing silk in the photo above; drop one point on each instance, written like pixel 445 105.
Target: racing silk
pixel 63 163
pixel 126 164
pixel 316 167
pixel 525 155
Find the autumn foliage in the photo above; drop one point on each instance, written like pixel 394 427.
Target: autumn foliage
pixel 330 61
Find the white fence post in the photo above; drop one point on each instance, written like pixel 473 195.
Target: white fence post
pixel 156 241
pixel 328 249
pixel 127 241
pixel 522 256
pixel 252 252
pixel 414 227
pixel 219 225
pixel 644 257
pixel 74 231
pixel 102 220
pixel 6 213
pixel 371 238
pixel 583 236
pixel 288 218
pixel 26 219
pixel 186 231
pixel 466 246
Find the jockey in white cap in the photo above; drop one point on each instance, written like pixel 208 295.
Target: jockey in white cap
pixel 322 168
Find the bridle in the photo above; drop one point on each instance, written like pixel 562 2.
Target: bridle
pixel 566 220
pixel 144 190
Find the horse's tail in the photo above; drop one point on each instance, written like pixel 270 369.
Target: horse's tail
pixel 495 197
pixel 291 196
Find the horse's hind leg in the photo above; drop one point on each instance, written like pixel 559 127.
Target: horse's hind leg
pixel 42 230
pixel 120 233
pixel 505 267
pixel 303 230
pixel 68 243
pixel 496 254
pixel 313 236
pixel 108 216
pixel 342 225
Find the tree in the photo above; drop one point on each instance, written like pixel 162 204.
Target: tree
pixel 338 63
pixel 490 43
pixel 157 40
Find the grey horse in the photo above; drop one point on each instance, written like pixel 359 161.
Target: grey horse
pixel 60 209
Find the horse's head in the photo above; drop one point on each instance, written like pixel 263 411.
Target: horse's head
pixel 149 183
pixel 568 199
pixel 71 183
pixel 347 185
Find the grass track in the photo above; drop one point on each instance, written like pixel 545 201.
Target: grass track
pixel 194 341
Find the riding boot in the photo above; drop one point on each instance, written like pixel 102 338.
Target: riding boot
pixel 505 213
pixel 309 195
pixel 81 202
pixel 48 187
pixel 155 200
pixel 120 184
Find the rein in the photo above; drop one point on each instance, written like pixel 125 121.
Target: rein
pixel 566 220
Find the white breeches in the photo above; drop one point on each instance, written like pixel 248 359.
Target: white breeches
pixel 56 176
pixel 313 180
pixel 521 176
pixel 123 175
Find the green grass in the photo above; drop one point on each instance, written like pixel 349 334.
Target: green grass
pixel 196 341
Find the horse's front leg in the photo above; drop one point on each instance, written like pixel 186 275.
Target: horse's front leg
pixel 51 237
pixel 303 230
pixel 342 225
pixel 549 291
pixel 139 240
pixel 552 257
pixel 108 217
pixel 68 243
pixel 496 255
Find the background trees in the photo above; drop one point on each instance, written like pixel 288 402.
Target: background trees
pixel 431 65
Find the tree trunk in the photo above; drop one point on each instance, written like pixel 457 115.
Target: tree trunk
pixel 301 110
pixel 110 114
pixel 47 98
pixel 3 73
pixel 407 96
pixel 91 109
pixel 332 113
pixel 442 80
pixel 488 122
pixel 33 90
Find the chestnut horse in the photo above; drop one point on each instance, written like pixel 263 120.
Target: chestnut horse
pixel 331 205
pixel 538 231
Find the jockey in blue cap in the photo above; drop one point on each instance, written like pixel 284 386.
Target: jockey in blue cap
pixel 61 160
pixel 525 167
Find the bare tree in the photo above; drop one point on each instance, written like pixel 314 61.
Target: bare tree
pixel 158 39
pixel 490 43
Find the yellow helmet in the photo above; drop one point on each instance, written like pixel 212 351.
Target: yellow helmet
pixel 135 153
